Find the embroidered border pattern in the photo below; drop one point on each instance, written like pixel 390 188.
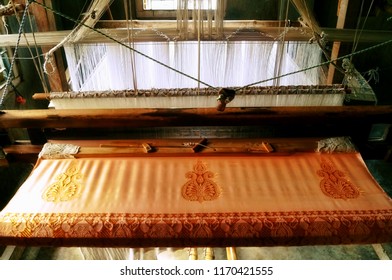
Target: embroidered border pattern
pixel 218 229
pixel 200 185
pixel 334 184
pixel 66 187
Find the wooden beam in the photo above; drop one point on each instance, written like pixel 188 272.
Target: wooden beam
pixel 342 11
pixel 42 38
pixel 306 14
pixel 101 148
pixel 46 23
pixel 93 14
pixel 22 153
pixel 172 24
pixel 137 118
pixel 250 34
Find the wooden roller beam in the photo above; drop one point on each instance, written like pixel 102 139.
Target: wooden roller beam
pixel 136 118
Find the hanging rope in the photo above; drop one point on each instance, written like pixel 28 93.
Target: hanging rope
pixel 16 10
pixel 357 36
pixel 9 75
pixel 49 55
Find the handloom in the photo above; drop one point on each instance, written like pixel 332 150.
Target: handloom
pixel 130 194
pixel 209 198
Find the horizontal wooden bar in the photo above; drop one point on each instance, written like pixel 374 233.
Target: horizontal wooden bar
pixel 172 24
pixel 22 153
pixel 137 118
pixel 271 27
pixel 168 147
pixel 247 31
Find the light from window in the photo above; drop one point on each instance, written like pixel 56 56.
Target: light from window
pixel 172 4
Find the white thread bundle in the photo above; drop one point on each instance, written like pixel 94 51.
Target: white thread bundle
pixel 192 16
pixel 223 64
pixel 103 67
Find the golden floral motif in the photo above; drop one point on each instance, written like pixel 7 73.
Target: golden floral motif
pixel 200 186
pixel 321 227
pixel 82 228
pixel 284 227
pixel 243 228
pixel 334 184
pixel 66 187
pixel 202 229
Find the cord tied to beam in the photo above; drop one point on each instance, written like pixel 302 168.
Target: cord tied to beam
pixel 49 55
pixel 225 96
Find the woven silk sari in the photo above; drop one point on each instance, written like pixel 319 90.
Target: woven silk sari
pixel 228 200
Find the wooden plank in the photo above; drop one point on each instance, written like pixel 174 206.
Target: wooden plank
pixel 136 118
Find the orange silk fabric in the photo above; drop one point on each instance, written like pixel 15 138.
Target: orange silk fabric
pixel 274 198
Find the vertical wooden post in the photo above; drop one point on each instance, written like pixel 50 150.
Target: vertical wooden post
pixel 342 11
pixel 46 22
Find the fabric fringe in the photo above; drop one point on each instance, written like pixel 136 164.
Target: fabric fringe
pixel 58 151
pixel 336 145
